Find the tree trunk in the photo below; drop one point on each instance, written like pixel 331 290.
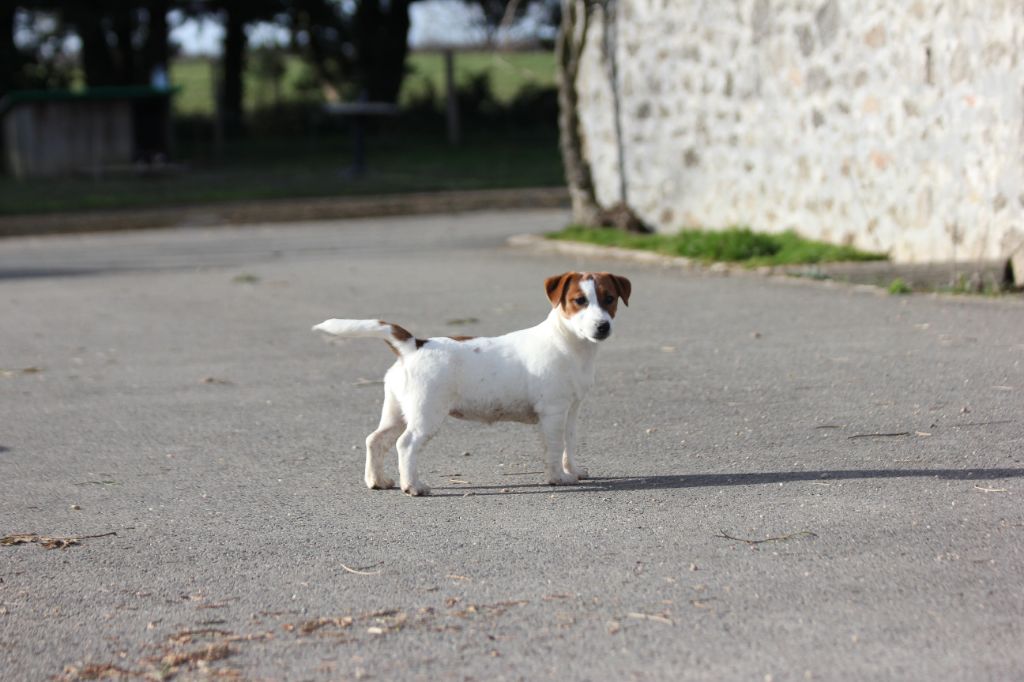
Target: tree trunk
pixel 96 59
pixel 610 31
pixel 233 89
pixel 157 47
pixel 568 49
pixel 382 39
pixel 9 61
pixel 124 53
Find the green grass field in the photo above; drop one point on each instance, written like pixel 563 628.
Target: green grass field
pixel 313 162
pixel 510 72
pixel 309 167
pixel 734 245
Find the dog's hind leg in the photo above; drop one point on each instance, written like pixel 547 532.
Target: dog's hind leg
pixel 422 425
pixel 381 441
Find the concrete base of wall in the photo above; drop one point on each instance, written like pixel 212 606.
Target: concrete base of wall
pixel 972 276
pixel 962 277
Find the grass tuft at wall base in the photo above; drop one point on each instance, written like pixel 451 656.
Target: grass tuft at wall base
pixel 733 245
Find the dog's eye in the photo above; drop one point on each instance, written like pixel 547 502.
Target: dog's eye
pixel 608 300
pixel 581 300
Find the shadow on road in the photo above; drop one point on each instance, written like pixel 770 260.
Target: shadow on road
pixel 33 273
pixel 671 482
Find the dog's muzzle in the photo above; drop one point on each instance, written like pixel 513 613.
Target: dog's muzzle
pixel 603 331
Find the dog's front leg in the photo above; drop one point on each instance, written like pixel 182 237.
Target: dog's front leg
pixel 569 456
pixel 552 426
pixel 409 445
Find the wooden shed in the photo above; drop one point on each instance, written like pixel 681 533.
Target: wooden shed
pixel 49 133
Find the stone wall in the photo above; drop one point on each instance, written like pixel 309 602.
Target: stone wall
pixel 893 125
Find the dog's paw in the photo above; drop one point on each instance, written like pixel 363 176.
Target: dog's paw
pixel 415 489
pixel 380 483
pixel 563 478
pixel 580 472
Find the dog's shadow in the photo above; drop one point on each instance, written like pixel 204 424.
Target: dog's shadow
pixel 672 482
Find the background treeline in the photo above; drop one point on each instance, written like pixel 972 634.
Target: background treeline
pixel 333 50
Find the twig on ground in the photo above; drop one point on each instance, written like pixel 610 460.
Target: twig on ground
pixel 879 435
pixel 48 542
pixel 520 473
pixel 357 571
pixel 990 490
pixel 97 671
pixel 648 616
pixel 188 636
pixel 781 538
pixel 208 654
pixel 997 421
pixel 312 626
pixel 90 537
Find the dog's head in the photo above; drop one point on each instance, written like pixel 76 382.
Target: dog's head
pixel 587 301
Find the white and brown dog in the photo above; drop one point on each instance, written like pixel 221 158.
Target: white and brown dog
pixel 534 376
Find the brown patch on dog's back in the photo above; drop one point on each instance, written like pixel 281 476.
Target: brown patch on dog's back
pixel 422 342
pixel 399 333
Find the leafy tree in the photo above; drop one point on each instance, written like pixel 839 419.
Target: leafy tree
pixel 122 42
pixel 357 48
pixel 499 14
pixel 236 15
pixel 10 57
pixel 39 62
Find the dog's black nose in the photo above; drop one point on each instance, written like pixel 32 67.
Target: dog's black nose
pixel 604 329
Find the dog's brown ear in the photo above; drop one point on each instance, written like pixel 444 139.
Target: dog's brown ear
pixel 556 287
pixel 623 286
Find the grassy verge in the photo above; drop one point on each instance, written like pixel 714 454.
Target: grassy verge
pixel 734 245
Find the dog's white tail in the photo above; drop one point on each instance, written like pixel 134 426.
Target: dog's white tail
pixel 400 340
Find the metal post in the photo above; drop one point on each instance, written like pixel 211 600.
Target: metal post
pixel 358 146
pixel 218 115
pixel 359 139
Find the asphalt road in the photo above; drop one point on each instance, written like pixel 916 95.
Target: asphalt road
pixel 792 481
